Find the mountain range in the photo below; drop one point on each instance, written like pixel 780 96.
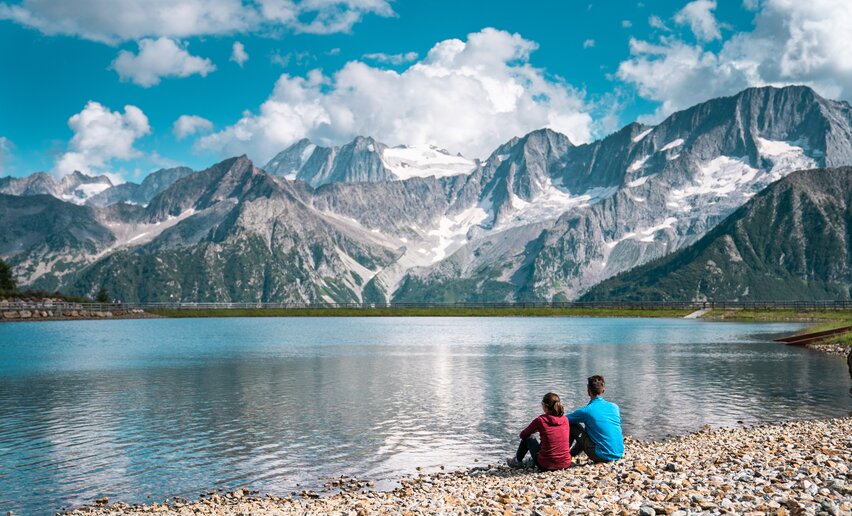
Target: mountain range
pixel 540 219
pixel 791 241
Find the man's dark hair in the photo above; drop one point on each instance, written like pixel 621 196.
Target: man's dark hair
pixel 596 385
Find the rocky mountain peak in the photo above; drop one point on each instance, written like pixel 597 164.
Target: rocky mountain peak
pixel 547 138
pixel 359 161
pixel 289 162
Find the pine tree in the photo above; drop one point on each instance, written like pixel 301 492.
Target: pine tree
pixel 103 296
pixel 7 281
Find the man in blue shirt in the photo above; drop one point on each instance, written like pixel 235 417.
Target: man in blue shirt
pixel 596 428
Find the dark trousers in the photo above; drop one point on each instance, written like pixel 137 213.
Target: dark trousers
pixel 531 445
pixel 582 443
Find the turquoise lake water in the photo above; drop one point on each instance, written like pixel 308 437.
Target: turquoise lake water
pixel 140 410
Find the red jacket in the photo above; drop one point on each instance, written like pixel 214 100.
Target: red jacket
pixel 555 451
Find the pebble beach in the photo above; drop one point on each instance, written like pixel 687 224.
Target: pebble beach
pixel 800 467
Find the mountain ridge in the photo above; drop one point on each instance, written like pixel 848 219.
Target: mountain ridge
pixel 539 219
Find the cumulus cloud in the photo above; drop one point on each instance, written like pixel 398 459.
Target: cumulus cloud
pixel 158 58
pixel 698 15
pixel 239 54
pixel 589 43
pixel 394 59
pixel 187 125
pixel 468 96
pixel 113 21
pixel 100 136
pixel 791 43
pixel 626 24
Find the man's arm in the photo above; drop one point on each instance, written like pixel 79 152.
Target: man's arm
pixel 581 415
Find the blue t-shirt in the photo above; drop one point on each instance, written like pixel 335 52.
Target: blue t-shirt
pixel 603 423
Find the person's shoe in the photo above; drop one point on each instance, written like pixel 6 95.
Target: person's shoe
pixel 528 463
pixel 514 463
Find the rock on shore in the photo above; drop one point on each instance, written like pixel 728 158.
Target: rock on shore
pixel 64 315
pixel 788 468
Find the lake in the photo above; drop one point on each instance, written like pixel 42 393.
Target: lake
pixel 140 410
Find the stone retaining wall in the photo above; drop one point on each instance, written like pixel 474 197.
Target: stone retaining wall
pixel 18 315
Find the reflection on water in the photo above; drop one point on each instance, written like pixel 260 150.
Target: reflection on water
pixel 139 410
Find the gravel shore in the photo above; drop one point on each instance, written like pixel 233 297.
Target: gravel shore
pixel 790 468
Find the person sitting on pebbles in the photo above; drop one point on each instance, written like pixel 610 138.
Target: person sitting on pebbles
pixel 596 428
pixel 554 450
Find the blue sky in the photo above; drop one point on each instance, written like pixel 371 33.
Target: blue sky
pixel 582 67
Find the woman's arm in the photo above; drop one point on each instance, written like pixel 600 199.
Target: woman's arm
pixel 533 427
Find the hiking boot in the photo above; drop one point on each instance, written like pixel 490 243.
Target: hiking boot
pixel 514 463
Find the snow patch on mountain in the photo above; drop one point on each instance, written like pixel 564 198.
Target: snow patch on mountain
pixel 646 235
pixel 452 232
pixel 550 204
pixel 672 144
pixel 84 192
pixel 649 234
pixel 637 182
pixel 363 272
pixel 778 148
pixel 425 161
pixel 639 137
pixel 785 157
pixel 135 234
pixel 639 163
pixel 719 177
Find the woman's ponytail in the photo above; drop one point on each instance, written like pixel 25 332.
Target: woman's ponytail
pixel 553 404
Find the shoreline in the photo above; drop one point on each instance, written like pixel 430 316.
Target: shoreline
pixel 797 467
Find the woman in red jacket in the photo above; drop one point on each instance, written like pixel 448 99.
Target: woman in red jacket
pixel 554 452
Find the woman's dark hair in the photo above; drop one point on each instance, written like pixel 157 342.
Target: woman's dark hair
pixel 553 404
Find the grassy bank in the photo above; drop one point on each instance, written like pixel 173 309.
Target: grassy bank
pixel 423 312
pixel 833 318
pixel 844 339
pixel 822 320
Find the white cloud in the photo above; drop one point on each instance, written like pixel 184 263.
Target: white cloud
pixel 322 16
pixel 239 54
pixel 626 24
pixel 657 22
pixel 158 58
pixel 113 21
pixel 698 15
pixel 589 43
pixel 5 151
pixel 791 43
pixel 468 96
pixel 394 59
pixel 302 58
pixel 187 125
pixel 100 136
